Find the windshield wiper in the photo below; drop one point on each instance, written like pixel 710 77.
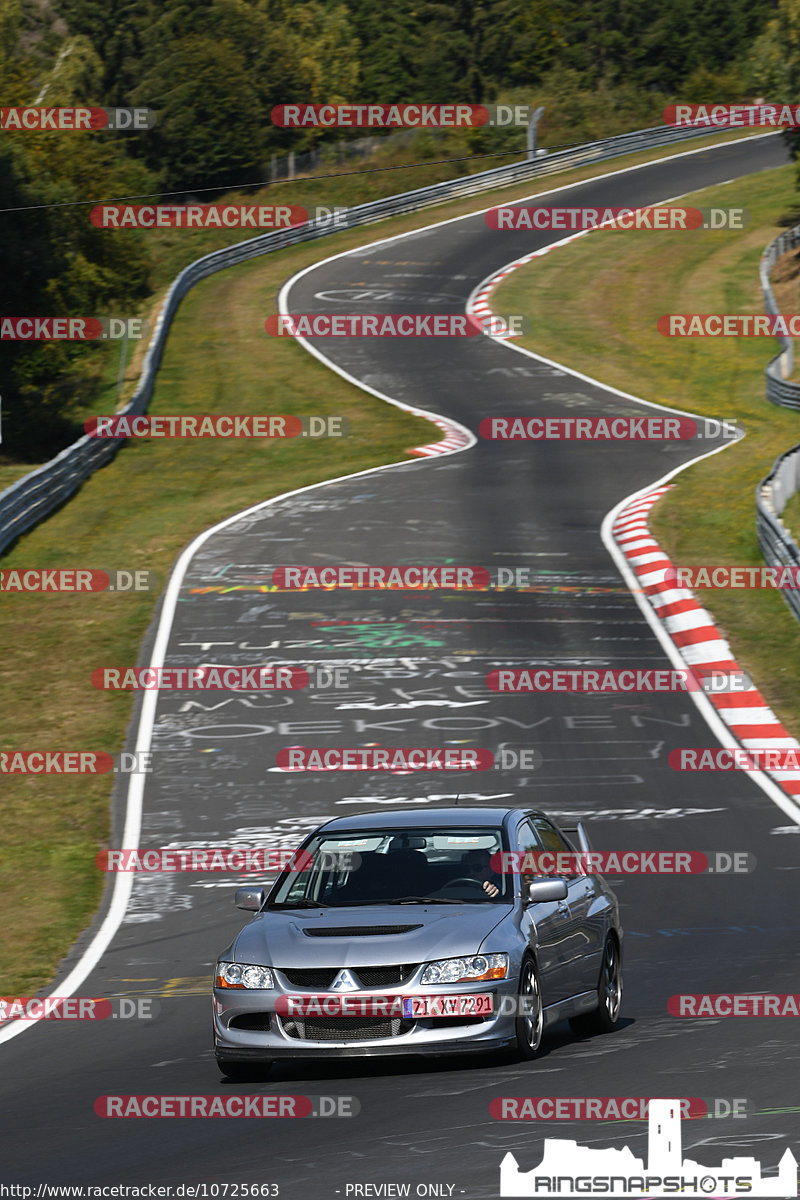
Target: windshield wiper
pixel 421 900
pixel 301 904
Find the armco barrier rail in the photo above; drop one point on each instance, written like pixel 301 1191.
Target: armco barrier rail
pixel 36 495
pixel 775 540
pixel 775 489
pixel 779 389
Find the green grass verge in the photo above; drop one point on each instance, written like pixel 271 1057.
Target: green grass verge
pixel 139 512
pixel 594 305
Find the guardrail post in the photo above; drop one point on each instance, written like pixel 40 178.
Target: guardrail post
pixel 533 126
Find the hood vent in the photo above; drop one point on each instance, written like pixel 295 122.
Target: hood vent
pixel 359 930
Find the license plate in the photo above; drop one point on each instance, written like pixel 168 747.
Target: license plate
pixel 448 1006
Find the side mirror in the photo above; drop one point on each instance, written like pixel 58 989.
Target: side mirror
pixel 249 898
pixel 546 889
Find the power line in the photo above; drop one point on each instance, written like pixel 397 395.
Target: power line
pixel 268 183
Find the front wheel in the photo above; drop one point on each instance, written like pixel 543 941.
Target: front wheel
pixel 530 1019
pixel 243 1072
pixel 605 1017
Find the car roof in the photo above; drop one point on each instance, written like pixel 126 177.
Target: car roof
pixel 427 818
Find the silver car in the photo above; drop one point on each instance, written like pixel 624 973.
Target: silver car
pixel 401 936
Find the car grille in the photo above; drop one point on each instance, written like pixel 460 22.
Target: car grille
pixel 368 977
pixel 311 977
pixel 345 1029
pixel 372 977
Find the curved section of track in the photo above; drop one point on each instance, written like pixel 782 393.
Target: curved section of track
pixel 417 665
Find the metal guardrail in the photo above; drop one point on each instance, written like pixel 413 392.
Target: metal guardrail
pixel 779 389
pixel 775 539
pixel 36 495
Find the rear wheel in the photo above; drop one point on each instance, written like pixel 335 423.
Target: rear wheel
pixel 530 1018
pixel 243 1072
pixel 605 1017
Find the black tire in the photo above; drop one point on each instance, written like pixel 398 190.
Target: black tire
pixel 605 1017
pixel 243 1072
pixel 530 1019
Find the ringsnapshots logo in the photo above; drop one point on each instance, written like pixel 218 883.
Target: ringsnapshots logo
pixel 77 118
pixel 567 1169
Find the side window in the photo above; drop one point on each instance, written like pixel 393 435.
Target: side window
pixel 527 841
pixel 552 840
pixel 549 836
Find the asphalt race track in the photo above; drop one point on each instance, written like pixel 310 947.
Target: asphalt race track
pixel 416 667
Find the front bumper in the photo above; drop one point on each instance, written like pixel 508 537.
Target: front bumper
pixel 428 1035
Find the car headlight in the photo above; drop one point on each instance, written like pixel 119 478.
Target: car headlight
pixel 454 970
pixel 242 975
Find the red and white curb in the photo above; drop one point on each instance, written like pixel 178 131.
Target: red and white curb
pixel 696 638
pixel 456 438
pixel 478 302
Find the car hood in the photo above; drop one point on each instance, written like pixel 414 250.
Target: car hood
pixel 377 935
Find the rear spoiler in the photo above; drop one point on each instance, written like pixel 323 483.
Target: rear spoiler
pixel 577 836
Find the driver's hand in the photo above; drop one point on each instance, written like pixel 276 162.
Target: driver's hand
pixel 490 889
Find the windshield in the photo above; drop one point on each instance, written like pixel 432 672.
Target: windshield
pixel 396 867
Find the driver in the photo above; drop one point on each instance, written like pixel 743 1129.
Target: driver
pixel 477 864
